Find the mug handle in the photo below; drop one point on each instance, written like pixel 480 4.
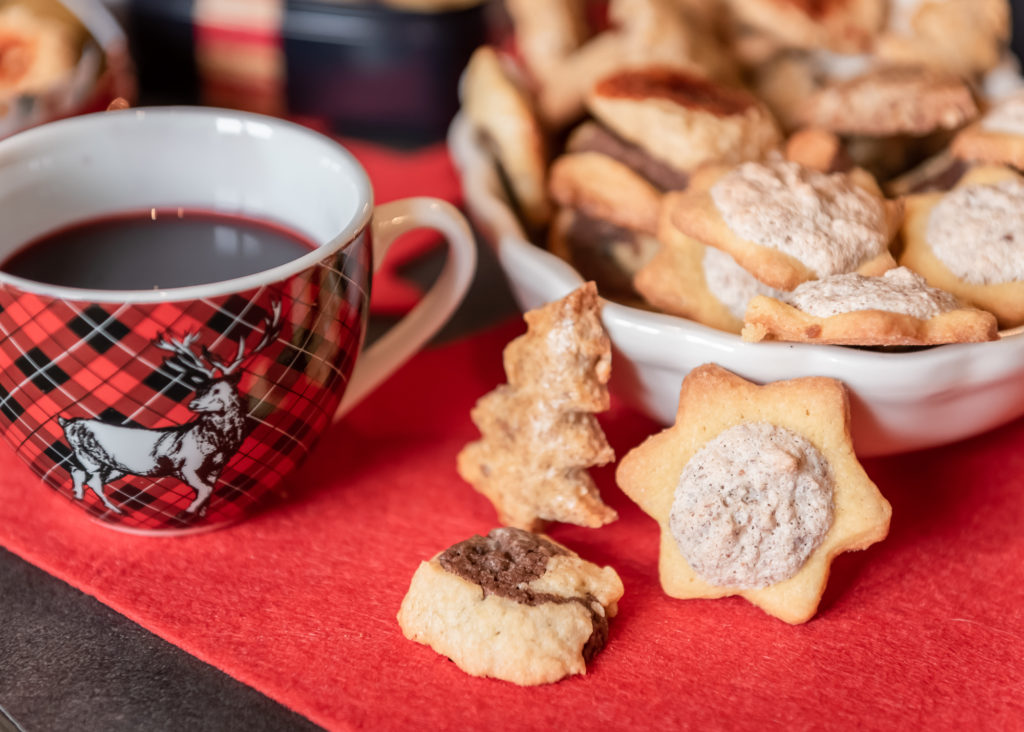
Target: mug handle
pixel 404 338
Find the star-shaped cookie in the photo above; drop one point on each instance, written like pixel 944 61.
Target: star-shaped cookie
pixel 812 411
pixel 983 234
pixel 786 204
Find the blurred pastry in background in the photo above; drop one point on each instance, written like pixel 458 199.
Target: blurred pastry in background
pixel 965 37
pixel 682 119
pixel 547 32
pixel 998 137
pixel 608 254
pixel 641 33
pixel 845 26
pixel 503 114
pixel 37 51
pixel 892 100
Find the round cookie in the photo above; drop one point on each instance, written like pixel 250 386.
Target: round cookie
pixel 512 605
pixel 684 119
pixel 890 101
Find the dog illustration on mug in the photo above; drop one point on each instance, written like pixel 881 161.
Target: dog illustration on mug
pixel 194 452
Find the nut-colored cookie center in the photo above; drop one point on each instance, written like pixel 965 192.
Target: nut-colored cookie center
pixel 732 285
pixel 899 290
pixel 751 506
pixel 978 232
pixel 822 219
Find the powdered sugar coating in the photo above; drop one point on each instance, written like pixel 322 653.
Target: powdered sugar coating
pixel 1007 117
pixel 978 232
pixel 751 505
pixel 732 285
pixel 899 290
pixel 824 220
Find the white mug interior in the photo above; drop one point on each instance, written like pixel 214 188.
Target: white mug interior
pixel 216 160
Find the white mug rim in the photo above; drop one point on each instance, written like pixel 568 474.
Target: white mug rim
pixel 349 232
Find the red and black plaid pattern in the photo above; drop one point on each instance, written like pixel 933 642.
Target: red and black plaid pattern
pixel 100 361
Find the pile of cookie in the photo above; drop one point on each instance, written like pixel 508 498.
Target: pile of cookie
pixel 840 173
pixel 755 490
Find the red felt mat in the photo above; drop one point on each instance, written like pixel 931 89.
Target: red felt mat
pixel 926 628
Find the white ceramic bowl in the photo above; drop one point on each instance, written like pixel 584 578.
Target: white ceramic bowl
pixel 901 401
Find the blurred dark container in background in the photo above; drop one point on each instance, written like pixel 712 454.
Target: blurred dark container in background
pixel 363 69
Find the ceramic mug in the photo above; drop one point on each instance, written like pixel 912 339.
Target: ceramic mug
pixel 181 409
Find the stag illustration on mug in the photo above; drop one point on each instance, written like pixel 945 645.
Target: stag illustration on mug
pixel 194 452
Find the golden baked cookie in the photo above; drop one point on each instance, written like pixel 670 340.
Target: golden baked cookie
pixel 644 33
pixel 998 137
pixel 604 188
pixel 592 136
pixel 512 605
pixel 970 241
pixel 701 283
pixel 547 31
pixel 600 251
pixel 939 172
pixel 683 119
pixel 783 82
pixel 965 37
pixel 819 150
pixel 847 26
pixel 37 52
pixel 756 489
pixel 786 223
pixel 538 432
pixel 752 47
pixel 896 309
pixel 669 23
pixel 891 100
pixel 503 114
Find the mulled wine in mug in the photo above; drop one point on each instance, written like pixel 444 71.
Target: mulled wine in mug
pixel 183 300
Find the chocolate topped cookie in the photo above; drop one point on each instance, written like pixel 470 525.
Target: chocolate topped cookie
pixel 683 119
pixel 512 605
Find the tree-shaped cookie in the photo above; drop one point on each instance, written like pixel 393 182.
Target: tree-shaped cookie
pixel 538 432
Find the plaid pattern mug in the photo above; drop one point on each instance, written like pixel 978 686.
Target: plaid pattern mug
pixel 179 410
